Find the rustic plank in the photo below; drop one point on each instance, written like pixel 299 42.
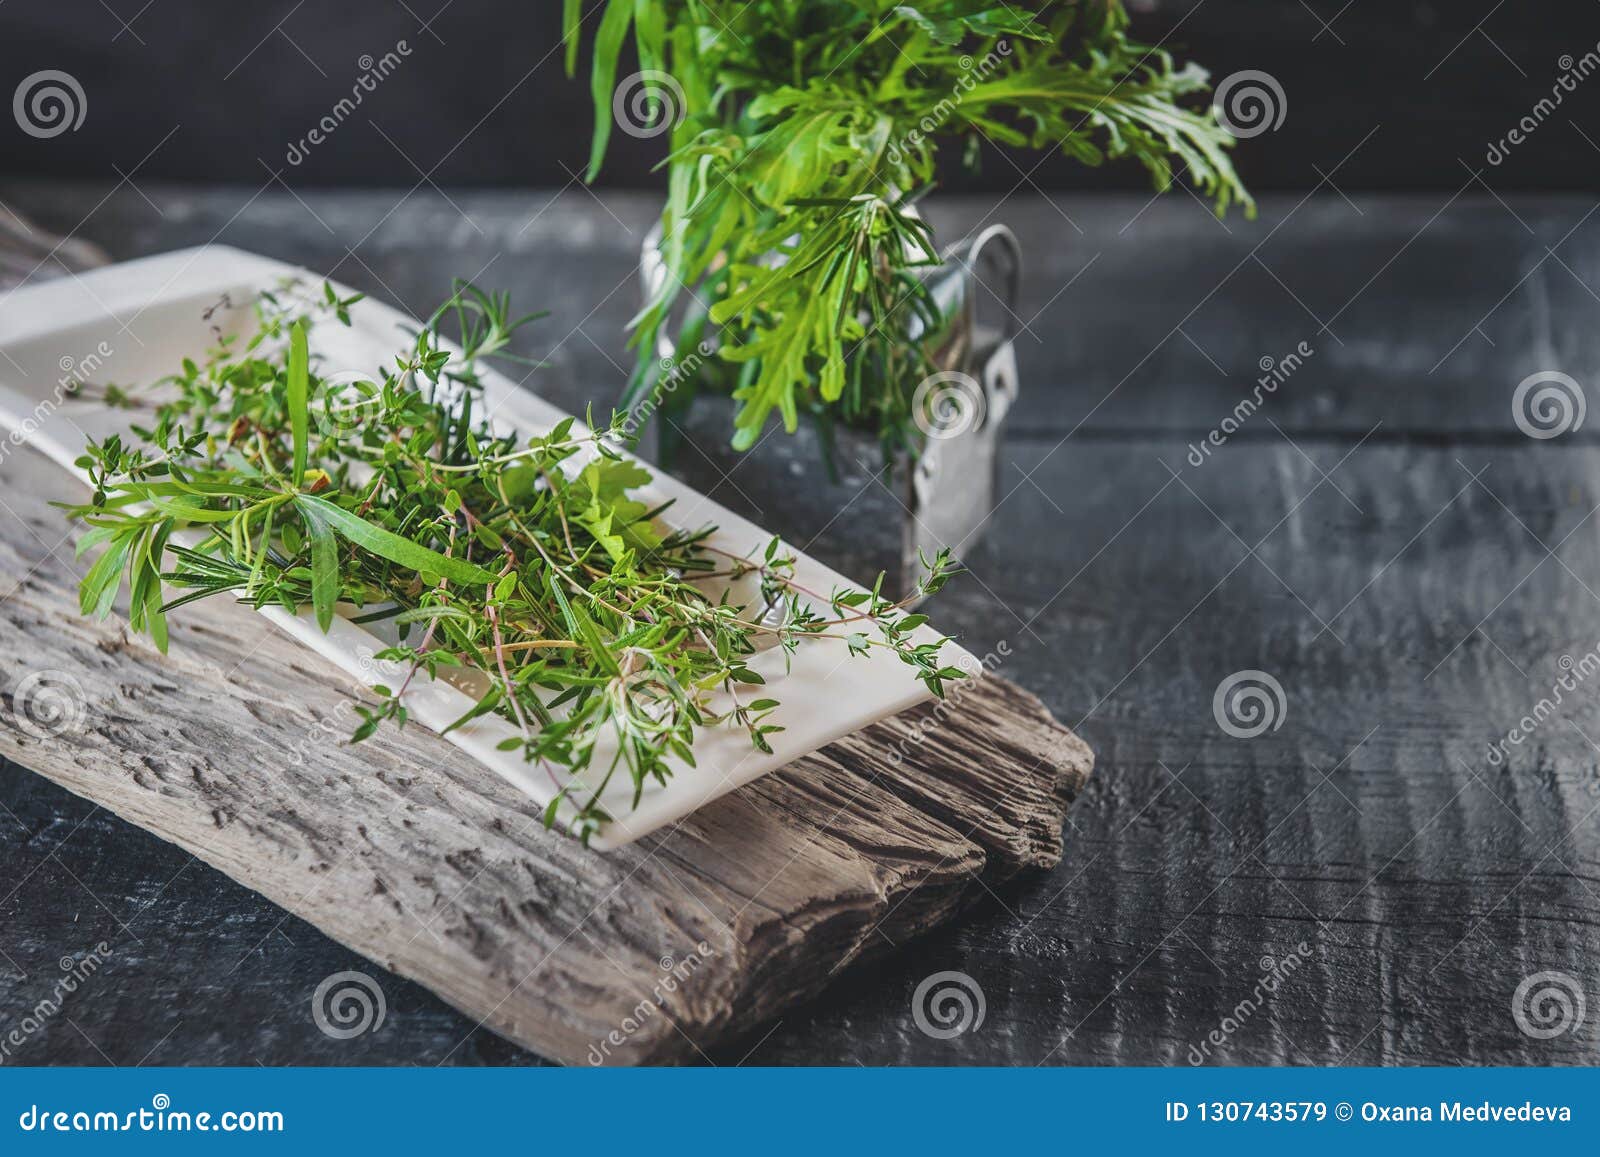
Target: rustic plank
pixel 991 720
pixel 406 851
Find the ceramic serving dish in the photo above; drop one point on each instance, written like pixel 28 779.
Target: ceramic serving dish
pixel 133 323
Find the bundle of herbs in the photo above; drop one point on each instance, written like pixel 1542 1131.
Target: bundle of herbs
pixel 802 134
pixel 528 564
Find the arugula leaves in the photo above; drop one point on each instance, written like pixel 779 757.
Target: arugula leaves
pixel 810 129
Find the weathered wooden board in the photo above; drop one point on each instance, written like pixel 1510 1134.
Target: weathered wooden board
pixel 408 852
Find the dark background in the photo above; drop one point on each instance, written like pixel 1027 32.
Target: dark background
pixel 240 81
pixel 1382 537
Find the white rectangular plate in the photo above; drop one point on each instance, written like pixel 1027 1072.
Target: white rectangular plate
pixel 132 324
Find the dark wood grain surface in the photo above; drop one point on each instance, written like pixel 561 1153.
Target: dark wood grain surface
pixel 1381 538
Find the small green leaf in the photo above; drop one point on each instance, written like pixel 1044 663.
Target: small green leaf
pixel 387 544
pixel 583 628
pixel 324 567
pixel 98 591
pixel 296 398
pixel 602 80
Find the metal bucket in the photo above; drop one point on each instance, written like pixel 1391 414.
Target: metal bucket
pixel 943 497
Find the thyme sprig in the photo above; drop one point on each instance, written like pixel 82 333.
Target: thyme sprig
pixel 528 568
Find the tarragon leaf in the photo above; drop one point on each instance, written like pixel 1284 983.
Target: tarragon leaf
pixel 299 376
pixel 387 544
pixel 324 565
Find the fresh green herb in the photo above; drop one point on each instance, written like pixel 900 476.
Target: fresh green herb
pixel 804 130
pixel 529 565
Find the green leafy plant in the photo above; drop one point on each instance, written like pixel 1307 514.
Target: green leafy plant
pixel 531 566
pixel 802 133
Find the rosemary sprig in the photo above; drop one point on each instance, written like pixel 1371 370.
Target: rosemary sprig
pixel 529 565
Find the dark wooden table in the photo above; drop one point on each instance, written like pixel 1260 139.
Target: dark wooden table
pixel 1381 538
